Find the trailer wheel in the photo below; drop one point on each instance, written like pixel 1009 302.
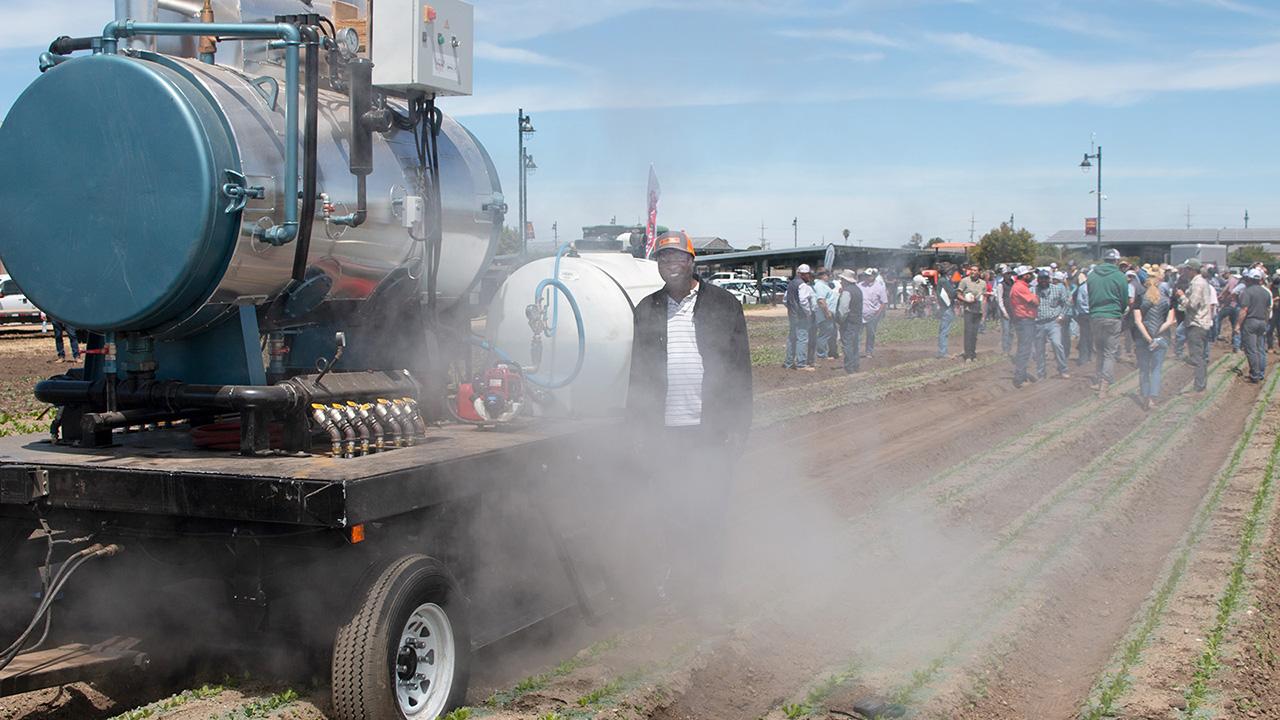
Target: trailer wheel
pixel 405 651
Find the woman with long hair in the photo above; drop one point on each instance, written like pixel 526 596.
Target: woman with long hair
pixel 1152 320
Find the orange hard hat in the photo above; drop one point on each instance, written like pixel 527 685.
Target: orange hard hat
pixel 674 240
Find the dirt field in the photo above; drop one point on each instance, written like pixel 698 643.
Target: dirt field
pixel 919 538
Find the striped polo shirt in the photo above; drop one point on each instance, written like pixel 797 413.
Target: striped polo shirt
pixel 684 364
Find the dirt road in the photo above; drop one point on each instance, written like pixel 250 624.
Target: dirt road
pixel 924 538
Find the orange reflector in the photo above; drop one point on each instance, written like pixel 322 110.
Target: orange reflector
pixel 356 533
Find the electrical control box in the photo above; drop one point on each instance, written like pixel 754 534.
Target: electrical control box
pixel 422 46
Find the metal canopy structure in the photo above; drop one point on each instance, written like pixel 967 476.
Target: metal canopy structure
pixel 1152 245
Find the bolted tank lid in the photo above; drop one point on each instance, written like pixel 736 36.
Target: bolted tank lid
pixel 111 187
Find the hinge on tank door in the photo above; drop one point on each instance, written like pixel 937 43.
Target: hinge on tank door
pixel 238 192
pixel 496 208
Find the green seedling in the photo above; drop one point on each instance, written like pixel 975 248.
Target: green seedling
pixel 160 707
pixel 599 694
pixel 262 708
pixel 537 682
pixel 461 713
pixel 794 710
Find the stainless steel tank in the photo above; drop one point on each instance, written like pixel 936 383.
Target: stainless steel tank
pixel 356 259
pixel 80 231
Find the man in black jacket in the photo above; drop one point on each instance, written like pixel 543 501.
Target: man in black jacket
pixel 689 407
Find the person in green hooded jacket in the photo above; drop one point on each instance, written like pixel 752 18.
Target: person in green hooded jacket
pixel 1108 303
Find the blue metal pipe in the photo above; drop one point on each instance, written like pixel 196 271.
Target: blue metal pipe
pixel 278 234
pixel 49 60
pixel 581 337
pixel 555 300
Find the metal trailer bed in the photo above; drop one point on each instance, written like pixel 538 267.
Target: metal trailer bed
pixel 296 537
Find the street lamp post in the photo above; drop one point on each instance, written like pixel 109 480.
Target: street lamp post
pixel 795 232
pixel 525 126
pixel 1085 165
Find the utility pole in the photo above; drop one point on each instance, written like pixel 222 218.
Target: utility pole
pixel 555 232
pixel 1085 165
pixel 524 126
pixel 1246 219
pixel 795 232
pixel 1188 217
pixel 764 245
pixel 1010 221
pixel 972 224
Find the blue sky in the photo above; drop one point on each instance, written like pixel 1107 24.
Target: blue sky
pixel 885 117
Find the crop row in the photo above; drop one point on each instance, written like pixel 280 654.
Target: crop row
pixel 1005 598
pixel 1114 684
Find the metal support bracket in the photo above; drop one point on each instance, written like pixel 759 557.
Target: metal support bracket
pixel 39 484
pixel 269 88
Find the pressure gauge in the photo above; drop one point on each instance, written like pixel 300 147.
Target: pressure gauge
pixel 348 42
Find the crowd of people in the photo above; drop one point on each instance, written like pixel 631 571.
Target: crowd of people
pixel 1101 313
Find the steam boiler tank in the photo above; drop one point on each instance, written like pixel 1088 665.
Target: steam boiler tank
pixel 137 186
pixel 607 287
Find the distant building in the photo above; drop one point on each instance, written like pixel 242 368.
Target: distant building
pixel 711 245
pixel 1153 245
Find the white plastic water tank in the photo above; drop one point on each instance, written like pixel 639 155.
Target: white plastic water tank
pixel 607 286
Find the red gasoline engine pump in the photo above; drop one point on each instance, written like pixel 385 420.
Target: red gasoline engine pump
pixel 496 396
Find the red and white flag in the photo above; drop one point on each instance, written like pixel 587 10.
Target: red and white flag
pixel 650 230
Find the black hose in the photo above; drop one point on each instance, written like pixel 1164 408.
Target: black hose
pixel 54 587
pixel 66 45
pixel 309 142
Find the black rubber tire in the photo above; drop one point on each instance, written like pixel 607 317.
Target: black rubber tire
pixel 364 648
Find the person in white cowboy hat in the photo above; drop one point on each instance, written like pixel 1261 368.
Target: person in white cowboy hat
pixel 1024 306
pixel 801 302
pixel 849 318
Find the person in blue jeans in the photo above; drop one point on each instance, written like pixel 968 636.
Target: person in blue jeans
pixel 1152 320
pixel 946 309
pixel 827 297
pixel 849 318
pixel 801 303
pixel 875 302
pixel 58 330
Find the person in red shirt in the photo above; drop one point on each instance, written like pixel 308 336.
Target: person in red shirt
pixel 1023 307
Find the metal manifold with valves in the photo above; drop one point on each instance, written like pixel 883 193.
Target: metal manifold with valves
pixel 259 215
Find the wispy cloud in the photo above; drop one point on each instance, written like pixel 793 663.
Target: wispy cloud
pixel 853 37
pixel 1099 27
pixel 1240 7
pixel 862 58
pixel 1033 77
pixel 612 96
pixel 520 56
